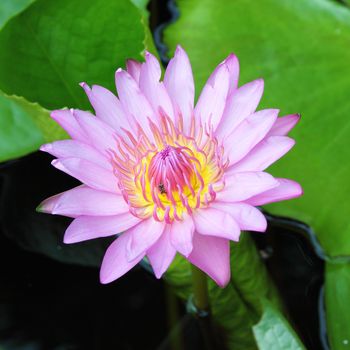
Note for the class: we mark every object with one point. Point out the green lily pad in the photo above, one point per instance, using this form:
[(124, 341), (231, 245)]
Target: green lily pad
[(301, 49), (10, 8), (24, 127), (337, 291), (45, 63), (53, 45), (274, 333)]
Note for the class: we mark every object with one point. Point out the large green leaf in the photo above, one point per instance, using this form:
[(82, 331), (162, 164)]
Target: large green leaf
[(53, 45), (337, 292), (274, 333), (24, 126), (45, 63), (10, 8), (301, 48), (237, 307)]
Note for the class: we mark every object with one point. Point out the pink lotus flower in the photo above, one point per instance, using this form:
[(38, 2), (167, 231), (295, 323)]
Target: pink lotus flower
[(173, 177)]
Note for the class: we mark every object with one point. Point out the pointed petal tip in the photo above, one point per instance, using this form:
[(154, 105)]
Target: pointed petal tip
[(85, 86), (70, 237), (263, 228), (300, 191), (231, 59), (296, 117), (47, 206), (121, 74), (259, 83), (223, 283), (104, 279), (185, 251), (158, 274), (297, 192), (57, 113), (53, 114), (150, 58), (69, 240), (231, 56), (272, 110), (184, 248), (57, 164), (179, 49), (40, 208), (297, 188), (47, 147)]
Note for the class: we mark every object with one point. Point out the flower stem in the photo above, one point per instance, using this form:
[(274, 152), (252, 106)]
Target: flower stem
[(200, 290), (201, 303)]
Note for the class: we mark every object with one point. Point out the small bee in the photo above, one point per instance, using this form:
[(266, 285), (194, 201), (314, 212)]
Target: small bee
[(161, 188)]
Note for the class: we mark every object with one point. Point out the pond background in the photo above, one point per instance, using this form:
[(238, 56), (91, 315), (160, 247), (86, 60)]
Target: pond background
[(50, 297)]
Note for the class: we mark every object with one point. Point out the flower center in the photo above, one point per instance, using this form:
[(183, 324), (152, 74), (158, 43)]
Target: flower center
[(170, 175), (171, 169)]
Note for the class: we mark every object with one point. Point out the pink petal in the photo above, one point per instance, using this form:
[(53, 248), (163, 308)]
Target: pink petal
[(89, 173), (287, 189), (249, 133), (212, 255), (215, 222), (263, 154), (212, 101), (65, 118), (154, 90), (241, 186), (89, 227), (181, 235), (101, 136), (84, 200), (233, 67), (143, 236), (133, 67), (107, 106), (284, 124), (76, 149), (178, 80), (162, 253), (240, 104), (247, 217), (134, 101), (115, 264)]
